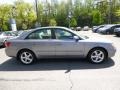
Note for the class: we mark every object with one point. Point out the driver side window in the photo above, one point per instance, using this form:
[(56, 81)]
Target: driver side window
[(62, 34)]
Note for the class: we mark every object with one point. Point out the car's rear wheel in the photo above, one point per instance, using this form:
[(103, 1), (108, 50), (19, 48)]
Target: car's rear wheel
[(26, 57), (97, 55)]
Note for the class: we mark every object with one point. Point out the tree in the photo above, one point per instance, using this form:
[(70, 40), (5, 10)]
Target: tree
[(62, 15), (5, 16), (97, 18), (73, 22), (24, 14), (52, 22), (117, 13), (87, 12)]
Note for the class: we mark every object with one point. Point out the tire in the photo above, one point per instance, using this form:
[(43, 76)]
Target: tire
[(118, 35), (26, 57), (97, 56)]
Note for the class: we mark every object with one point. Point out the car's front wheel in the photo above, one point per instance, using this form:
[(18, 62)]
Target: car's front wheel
[(97, 55), (26, 57)]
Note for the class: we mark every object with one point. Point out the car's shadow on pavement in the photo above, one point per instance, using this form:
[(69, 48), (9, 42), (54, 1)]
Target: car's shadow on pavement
[(54, 64)]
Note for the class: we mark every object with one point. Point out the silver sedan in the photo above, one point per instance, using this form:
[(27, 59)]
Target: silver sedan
[(60, 42)]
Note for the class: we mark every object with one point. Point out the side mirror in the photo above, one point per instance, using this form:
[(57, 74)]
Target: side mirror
[(76, 38)]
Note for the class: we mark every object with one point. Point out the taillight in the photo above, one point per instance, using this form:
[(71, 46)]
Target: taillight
[(7, 44)]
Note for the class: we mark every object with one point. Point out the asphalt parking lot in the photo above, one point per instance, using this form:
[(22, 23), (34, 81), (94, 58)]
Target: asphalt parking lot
[(59, 74)]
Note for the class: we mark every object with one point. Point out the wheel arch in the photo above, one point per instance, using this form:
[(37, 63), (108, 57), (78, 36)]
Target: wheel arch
[(23, 49), (98, 48)]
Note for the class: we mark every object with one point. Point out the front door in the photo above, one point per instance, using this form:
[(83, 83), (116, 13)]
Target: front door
[(66, 44)]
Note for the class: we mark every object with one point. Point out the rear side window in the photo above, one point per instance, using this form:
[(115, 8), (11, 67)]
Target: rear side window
[(40, 34)]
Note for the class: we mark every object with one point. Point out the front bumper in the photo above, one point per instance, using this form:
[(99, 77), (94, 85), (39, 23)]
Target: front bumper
[(111, 51)]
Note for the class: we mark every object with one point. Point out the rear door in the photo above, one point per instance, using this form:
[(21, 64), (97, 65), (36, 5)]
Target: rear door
[(42, 42)]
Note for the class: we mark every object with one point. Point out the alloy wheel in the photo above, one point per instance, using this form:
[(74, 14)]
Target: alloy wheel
[(26, 57), (97, 56)]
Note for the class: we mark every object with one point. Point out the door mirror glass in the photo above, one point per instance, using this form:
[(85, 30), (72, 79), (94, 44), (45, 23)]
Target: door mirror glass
[(76, 38)]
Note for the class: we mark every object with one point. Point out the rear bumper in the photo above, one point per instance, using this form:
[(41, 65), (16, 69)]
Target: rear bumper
[(11, 52)]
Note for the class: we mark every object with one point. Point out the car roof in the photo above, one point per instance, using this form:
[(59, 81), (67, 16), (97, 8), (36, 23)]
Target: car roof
[(50, 27), (27, 32)]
